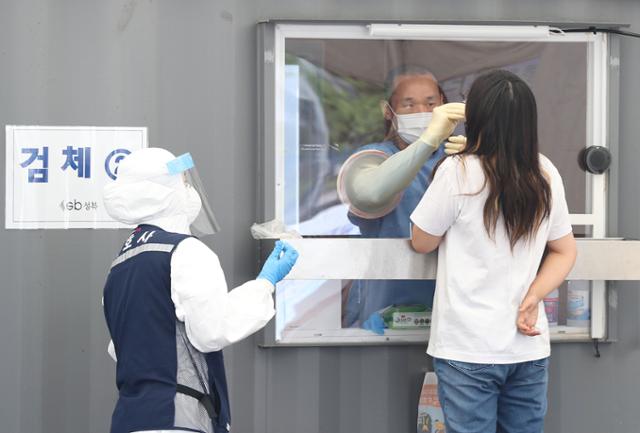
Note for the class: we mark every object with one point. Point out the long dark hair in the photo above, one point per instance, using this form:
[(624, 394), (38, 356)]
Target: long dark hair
[(502, 130)]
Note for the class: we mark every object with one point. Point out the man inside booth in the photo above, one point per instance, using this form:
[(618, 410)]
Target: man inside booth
[(383, 182)]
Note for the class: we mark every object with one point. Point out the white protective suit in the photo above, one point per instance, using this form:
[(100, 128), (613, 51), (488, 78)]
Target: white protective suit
[(214, 317)]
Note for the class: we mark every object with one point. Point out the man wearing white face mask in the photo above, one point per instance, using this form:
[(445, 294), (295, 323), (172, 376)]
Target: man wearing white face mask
[(166, 301), (383, 182)]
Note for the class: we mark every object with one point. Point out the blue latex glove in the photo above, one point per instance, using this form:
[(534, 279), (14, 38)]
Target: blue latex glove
[(374, 323), (279, 262)]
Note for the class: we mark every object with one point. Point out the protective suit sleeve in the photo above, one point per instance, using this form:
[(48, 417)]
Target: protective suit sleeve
[(111, 350), (376, 185), (215, 317)]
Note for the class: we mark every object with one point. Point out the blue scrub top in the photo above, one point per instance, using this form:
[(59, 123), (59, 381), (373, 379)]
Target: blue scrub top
[(369, 296)]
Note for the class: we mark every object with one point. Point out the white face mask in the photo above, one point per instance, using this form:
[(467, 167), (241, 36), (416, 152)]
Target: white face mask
[(411, 126), (193, 204)]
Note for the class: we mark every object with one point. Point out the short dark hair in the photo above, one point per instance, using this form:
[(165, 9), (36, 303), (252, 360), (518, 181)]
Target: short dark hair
[(390, 84), (401, 71)]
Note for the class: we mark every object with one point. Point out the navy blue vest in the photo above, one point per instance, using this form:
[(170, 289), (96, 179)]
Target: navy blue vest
[(147, 337)]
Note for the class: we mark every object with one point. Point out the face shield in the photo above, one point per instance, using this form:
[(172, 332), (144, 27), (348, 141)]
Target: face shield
[(203, 219)]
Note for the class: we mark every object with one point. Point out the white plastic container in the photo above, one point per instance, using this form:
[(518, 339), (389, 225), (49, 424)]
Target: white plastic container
[(552, 307), (578, 308)]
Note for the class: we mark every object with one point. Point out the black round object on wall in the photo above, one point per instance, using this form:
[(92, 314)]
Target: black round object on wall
[(595, 159)]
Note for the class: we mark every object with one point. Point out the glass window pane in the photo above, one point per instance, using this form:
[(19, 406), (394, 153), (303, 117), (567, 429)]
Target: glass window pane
[(334, 92), (308, 308)]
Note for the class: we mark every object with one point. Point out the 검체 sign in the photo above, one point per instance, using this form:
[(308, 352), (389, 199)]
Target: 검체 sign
[(55, 174)]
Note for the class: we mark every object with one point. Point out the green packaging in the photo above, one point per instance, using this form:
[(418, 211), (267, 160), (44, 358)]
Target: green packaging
[(406, 316)]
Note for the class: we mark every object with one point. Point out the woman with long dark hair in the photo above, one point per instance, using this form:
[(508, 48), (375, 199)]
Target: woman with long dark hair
[(493, 209)]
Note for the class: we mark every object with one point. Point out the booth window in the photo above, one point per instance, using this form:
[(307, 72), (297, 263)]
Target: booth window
[(325, 92)]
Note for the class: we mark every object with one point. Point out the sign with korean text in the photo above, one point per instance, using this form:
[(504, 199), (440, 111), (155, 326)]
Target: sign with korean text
[(55, 174)]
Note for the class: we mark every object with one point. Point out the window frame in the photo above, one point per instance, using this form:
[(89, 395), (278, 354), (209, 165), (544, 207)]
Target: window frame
[(597, 134)]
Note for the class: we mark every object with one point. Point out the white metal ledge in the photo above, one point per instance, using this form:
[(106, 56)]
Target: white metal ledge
[(394, 259)]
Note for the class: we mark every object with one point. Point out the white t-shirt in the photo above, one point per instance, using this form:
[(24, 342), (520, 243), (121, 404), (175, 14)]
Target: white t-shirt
[(480, 282)]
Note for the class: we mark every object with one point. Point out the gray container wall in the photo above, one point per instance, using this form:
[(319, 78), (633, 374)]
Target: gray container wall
[(186, 69)]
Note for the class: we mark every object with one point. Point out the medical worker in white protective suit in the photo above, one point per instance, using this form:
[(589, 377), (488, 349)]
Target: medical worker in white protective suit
[(166, 301)]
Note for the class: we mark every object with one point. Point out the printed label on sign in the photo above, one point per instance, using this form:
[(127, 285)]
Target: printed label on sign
[(55, 175), (430, 415)]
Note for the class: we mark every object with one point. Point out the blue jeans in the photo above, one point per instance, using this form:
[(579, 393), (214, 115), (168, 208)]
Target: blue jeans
[(486, 398)]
